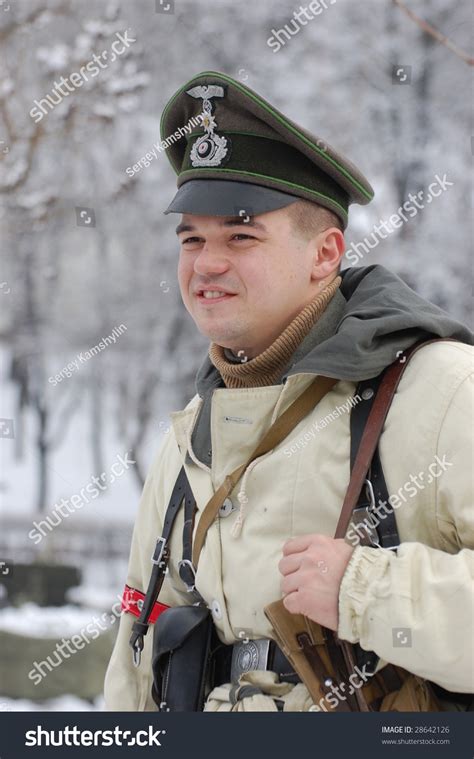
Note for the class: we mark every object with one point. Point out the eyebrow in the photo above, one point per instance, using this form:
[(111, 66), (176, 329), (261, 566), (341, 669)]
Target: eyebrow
[(235, 221)]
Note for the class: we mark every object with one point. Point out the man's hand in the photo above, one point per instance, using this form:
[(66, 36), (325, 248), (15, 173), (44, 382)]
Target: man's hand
[(312, 567)]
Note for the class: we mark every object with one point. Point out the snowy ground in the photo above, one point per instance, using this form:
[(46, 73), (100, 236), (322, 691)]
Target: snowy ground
[(46, 622), (62, 704), (33, 621)]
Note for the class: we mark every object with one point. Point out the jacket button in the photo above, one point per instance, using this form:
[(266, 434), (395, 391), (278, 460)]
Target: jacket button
[(216, 610), (226, 508)]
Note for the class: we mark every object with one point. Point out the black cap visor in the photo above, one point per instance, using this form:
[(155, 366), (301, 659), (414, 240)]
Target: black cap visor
[(215, 197)]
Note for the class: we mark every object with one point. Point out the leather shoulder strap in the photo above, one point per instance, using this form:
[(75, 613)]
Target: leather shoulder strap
[(368, 445), (372, 432), (277, 432), (160, 559), (364, 397)]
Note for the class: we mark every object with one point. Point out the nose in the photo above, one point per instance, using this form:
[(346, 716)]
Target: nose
[(210, 261)]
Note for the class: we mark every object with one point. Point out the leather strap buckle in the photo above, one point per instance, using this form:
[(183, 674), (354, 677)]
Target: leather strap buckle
[(157, 557), (365, 521), (363, 526), (187, 573)]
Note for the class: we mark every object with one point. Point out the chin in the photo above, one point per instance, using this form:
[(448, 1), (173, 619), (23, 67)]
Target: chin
[(215, 330), (219, 337)]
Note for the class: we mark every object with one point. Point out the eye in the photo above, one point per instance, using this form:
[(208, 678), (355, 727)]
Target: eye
[(243, 237), (190, 240)]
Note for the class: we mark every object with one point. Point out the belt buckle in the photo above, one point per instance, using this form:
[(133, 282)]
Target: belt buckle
[(248, 656)]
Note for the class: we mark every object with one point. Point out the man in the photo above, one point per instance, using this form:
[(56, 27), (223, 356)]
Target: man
[(264, 205)]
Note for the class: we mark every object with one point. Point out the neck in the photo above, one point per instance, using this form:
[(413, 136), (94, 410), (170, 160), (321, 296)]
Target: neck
[(268, 367)]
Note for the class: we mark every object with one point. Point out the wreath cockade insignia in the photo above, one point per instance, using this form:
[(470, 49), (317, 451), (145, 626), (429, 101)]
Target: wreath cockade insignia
[(210, 149)]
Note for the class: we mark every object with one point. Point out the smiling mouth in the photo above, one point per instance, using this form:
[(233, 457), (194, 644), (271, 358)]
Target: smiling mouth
[(213, 296)]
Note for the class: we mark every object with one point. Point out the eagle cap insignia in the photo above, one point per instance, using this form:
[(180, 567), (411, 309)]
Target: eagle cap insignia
[(210, 149)]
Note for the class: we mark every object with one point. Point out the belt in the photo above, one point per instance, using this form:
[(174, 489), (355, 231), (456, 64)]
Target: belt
[(230, 662)]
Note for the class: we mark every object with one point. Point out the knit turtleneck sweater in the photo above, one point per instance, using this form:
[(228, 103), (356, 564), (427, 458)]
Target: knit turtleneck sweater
[(268, 366)]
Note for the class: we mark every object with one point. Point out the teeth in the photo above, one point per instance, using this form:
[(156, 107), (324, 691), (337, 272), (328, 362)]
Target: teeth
[(212, 294)]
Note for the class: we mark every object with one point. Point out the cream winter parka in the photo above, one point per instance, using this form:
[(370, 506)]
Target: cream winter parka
[(425, 588)]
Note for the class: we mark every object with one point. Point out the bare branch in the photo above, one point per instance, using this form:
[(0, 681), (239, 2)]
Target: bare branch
[(435, 33)]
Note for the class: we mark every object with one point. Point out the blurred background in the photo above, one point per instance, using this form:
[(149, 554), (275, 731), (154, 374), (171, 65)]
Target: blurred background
[(95, 346)]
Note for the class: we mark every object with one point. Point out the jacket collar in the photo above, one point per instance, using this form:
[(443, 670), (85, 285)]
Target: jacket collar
[(270, 401)]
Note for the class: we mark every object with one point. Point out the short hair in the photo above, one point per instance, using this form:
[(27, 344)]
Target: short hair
[(308, 218)]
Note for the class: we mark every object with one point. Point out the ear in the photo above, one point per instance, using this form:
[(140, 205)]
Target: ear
[(329, 247)]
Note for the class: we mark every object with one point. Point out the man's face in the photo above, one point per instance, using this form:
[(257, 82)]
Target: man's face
[(242, 282)]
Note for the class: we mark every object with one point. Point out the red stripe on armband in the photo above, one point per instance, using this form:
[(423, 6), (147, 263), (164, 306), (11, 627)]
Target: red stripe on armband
[(132, 602)]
